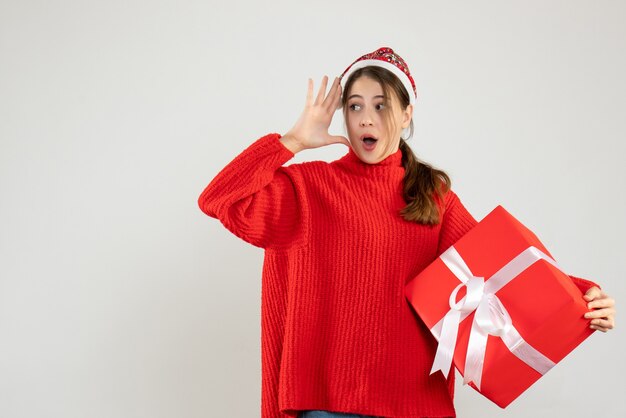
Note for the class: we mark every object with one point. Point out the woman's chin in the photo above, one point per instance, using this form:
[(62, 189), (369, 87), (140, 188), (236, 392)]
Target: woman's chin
[(369, 157)]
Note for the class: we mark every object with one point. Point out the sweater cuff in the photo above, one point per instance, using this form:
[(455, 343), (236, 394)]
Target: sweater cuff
[(582, 284), (270, 145)]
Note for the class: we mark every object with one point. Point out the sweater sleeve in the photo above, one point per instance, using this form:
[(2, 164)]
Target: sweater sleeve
[(456, 222), (583, 284), (256, 198)]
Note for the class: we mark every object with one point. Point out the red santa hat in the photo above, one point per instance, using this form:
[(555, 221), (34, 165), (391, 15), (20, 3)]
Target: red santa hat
[(386, 58)]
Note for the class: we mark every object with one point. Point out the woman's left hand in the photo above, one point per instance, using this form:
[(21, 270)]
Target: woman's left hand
[(603, 314)]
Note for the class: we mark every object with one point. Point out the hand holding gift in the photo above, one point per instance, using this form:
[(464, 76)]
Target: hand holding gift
[(502, 309), (603, 315)]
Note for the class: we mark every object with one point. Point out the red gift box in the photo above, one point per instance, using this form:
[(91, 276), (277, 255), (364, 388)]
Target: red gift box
[(500, 307)]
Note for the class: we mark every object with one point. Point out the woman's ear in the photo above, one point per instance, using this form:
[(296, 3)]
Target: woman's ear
[(407, 116)]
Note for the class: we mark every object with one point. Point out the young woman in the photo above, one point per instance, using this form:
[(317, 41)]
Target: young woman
[(341, 240)]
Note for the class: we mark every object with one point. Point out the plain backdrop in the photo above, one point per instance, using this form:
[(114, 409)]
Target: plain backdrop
[(119, 298)]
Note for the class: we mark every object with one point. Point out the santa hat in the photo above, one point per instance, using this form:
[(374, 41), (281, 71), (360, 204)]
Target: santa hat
[(384, 57)]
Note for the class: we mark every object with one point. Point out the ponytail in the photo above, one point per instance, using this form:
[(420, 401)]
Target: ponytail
[(424, 186)]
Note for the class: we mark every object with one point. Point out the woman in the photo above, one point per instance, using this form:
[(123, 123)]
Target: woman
[(341, 240)]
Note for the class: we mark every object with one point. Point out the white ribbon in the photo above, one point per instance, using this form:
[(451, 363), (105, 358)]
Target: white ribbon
[(491, 317)]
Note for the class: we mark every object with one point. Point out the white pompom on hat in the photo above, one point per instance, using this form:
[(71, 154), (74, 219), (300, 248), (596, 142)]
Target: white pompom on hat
[(386, 58)]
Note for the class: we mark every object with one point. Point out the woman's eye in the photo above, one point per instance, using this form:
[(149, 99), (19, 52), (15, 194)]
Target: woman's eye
[(355, 106)]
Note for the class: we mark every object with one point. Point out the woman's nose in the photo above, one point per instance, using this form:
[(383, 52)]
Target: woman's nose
[(366, 122)]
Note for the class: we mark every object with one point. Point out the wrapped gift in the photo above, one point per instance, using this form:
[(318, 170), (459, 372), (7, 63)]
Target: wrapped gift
[(500, 308)]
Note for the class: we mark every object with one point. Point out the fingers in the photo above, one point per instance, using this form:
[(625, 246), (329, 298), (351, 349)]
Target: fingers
[(329, 102), (322, 91), (593, 293), (333, 94), (317, 116), (603, 314), (600, 313), (309, 93), (605, 302), (598, 328), (602, 324)]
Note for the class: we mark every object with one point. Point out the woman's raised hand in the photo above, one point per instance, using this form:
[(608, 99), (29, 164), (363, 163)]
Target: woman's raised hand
[(311, 130)]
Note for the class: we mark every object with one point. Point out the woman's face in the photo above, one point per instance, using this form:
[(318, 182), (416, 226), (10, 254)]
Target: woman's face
[(369, 136)]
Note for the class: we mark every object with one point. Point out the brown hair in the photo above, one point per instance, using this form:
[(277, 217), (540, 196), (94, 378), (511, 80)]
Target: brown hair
[(424, 185)]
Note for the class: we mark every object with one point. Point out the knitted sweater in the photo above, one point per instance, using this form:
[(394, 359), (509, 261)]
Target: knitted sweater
[(337, 333)]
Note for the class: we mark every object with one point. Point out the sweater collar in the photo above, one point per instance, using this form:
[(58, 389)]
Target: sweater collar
[(351, 159), (390, 168)]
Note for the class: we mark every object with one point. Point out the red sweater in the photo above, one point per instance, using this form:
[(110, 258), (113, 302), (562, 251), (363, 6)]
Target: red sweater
[(337, 333)]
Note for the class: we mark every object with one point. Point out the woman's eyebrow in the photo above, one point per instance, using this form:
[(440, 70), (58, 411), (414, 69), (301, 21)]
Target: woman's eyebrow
[(358, 95)]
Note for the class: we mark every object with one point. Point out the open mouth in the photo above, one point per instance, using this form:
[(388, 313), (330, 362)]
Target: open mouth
[(369, 142)]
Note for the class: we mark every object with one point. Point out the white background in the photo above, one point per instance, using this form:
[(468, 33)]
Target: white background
[(119, 298)]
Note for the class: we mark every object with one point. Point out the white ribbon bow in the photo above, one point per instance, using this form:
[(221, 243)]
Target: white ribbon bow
[(491, 317)]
